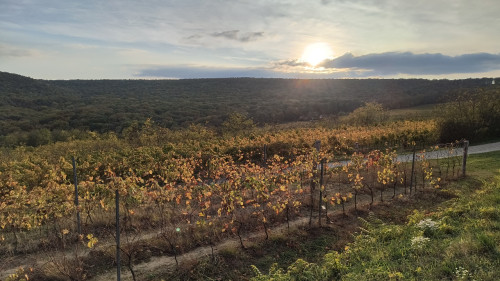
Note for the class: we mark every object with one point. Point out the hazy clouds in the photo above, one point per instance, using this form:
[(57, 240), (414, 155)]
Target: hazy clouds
[(186, 72), (417, 37), (235, 35), (347, 65), (409, 63)]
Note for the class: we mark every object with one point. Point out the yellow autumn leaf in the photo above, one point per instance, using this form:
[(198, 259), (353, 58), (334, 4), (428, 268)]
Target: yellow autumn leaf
[(92, 240)]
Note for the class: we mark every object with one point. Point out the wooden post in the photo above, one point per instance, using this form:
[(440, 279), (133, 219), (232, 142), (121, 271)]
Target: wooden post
[(464, 160), (412, 170), (78, 225), (117, 201), (317, 145), (265, 154), (322, 172)]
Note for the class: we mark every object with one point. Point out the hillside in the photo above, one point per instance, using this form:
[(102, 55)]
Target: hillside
[(26, 104), (29, 105)]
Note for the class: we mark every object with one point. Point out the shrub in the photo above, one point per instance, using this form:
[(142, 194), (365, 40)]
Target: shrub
[(473, 115), (370, 114)]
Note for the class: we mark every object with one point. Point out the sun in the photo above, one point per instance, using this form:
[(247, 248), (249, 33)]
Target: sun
[(317, 52)]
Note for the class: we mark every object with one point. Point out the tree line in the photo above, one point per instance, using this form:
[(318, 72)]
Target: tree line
[(35, 112)]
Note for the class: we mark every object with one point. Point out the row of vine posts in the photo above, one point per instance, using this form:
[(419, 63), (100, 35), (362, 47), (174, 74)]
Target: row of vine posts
[(318, 169), (215, 197)]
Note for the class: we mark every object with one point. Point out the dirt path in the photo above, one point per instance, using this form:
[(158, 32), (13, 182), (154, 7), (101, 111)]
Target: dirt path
[(163, 264)]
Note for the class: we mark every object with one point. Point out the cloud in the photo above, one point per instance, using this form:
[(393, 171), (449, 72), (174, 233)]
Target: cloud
[(346, 66), (10, 51), (197, 72), (194, 37), (233, 35), (188, 72), (230, 34), (251, 36), (292, 63), (416, 64)]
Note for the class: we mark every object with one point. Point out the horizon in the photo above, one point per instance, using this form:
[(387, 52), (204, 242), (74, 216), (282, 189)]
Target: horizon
[(282, 78), (322, 39), (277, 78)]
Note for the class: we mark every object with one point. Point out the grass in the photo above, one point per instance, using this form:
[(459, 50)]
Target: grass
[(484, 166), (421, 112)]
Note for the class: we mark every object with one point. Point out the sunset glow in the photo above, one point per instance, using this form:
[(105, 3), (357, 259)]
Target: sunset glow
[(193, 39), (315, 53)]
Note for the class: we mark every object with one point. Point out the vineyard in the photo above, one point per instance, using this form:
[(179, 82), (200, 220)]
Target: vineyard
[(175, 191)]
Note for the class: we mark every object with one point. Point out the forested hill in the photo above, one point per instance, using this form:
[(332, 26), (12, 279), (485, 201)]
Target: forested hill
[(110, 105)]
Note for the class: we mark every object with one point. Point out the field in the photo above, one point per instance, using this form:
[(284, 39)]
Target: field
[(182, 192), (201, 203), (249, 140), (423, 112)]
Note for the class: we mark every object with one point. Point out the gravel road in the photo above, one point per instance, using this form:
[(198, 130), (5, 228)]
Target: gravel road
[(482, 148)]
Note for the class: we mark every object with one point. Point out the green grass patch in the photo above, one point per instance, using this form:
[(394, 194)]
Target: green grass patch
[(485, 165), (422, 112)]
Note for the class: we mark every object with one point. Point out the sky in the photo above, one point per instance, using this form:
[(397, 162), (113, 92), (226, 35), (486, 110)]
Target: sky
[(171, 39)]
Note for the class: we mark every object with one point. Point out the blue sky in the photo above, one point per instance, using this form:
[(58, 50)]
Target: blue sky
[(132, 39)]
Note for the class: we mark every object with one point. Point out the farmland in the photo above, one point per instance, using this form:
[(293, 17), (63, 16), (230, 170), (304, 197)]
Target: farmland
[(149, 196), (207, 187)]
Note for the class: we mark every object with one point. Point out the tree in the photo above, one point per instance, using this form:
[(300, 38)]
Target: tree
[(39, 137), (236, 123), (370, 114), (472, 115)]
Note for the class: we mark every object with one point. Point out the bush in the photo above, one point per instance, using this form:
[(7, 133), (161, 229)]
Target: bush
[(370, 114), (473, 115)]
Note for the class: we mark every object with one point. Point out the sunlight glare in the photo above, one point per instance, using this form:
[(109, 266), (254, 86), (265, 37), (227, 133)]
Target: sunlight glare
[(317, 52)]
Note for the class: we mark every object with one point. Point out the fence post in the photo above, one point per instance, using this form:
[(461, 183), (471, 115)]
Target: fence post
[(412, 170), (78, 225), (317, 145), (464, 160), (265, 154), (322, 171), (117, 202)]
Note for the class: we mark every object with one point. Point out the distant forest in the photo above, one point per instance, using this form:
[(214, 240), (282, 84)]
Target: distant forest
[(29, 105)]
